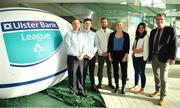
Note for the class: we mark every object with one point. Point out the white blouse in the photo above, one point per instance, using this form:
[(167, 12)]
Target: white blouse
[(145, 52)]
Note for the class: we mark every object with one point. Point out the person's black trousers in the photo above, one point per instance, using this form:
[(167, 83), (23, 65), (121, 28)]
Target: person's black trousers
[(117, 59), (91, 65)]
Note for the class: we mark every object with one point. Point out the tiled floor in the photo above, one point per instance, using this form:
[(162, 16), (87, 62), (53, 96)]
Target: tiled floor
[(132, 100)]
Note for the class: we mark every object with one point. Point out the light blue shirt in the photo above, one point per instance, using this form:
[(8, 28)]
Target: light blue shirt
[(74, 43), (90, 40)]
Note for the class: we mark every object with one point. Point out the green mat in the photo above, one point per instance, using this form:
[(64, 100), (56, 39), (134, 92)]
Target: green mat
[(56, 96)]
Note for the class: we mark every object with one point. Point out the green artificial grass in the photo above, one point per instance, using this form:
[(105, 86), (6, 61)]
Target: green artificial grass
[(57, 96)]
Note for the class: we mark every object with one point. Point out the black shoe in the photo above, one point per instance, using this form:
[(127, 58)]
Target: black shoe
[(116, 90), (99, 86), (111, 86), (82, 93), (123, 90), (94, 89)]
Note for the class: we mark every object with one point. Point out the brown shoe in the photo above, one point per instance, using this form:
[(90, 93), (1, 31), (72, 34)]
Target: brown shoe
[(133, 89), (141, 91), (156, 93), (162, 102)]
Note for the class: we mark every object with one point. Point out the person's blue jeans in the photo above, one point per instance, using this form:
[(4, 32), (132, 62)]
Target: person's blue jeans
[(139, 67)]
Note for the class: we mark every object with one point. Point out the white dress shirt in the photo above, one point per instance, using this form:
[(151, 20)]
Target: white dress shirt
[(102, 39)]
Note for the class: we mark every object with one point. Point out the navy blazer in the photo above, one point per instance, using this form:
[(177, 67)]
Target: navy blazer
[(167, 44), (126, 43)]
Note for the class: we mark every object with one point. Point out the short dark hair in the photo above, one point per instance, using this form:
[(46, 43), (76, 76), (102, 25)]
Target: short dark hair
[(74, 18), (161, 14), (87, 19), (103, 18)]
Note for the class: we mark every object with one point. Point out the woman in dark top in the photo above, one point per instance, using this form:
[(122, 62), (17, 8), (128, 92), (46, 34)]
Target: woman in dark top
[(118, 48)]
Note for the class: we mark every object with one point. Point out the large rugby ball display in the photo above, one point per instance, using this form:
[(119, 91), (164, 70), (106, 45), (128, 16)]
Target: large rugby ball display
[(32, 56)]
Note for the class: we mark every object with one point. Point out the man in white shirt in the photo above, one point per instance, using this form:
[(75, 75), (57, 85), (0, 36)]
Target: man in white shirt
[(89, 58), (102, 42), (75, 48)]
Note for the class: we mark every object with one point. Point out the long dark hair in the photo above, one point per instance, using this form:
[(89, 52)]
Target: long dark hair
[(144, 33)]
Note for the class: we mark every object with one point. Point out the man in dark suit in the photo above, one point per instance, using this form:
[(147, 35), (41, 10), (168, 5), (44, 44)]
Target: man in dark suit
[(162, 54)]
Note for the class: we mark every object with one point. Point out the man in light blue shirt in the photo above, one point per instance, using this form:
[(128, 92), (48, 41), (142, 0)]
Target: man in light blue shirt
[(75, 48), (89, 58)]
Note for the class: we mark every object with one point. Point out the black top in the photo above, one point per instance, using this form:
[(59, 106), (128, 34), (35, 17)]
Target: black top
[(126, 43), (167, 44)]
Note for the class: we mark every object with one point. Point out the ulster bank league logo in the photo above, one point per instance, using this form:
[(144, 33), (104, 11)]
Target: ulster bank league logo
[(30, 42)]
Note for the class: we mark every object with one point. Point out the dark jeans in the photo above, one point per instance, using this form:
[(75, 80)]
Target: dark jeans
[(117, 58), (75, 74), (139, 67), (91, 65), (101, 60)]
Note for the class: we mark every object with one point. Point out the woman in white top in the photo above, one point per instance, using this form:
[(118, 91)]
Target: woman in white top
[(140, 55)]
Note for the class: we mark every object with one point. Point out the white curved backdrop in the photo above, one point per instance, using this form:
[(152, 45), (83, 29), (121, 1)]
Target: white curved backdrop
[(32, 55)]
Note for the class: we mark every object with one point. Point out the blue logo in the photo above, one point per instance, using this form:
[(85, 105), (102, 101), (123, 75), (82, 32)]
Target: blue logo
[(27, 25), (28, 48)]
